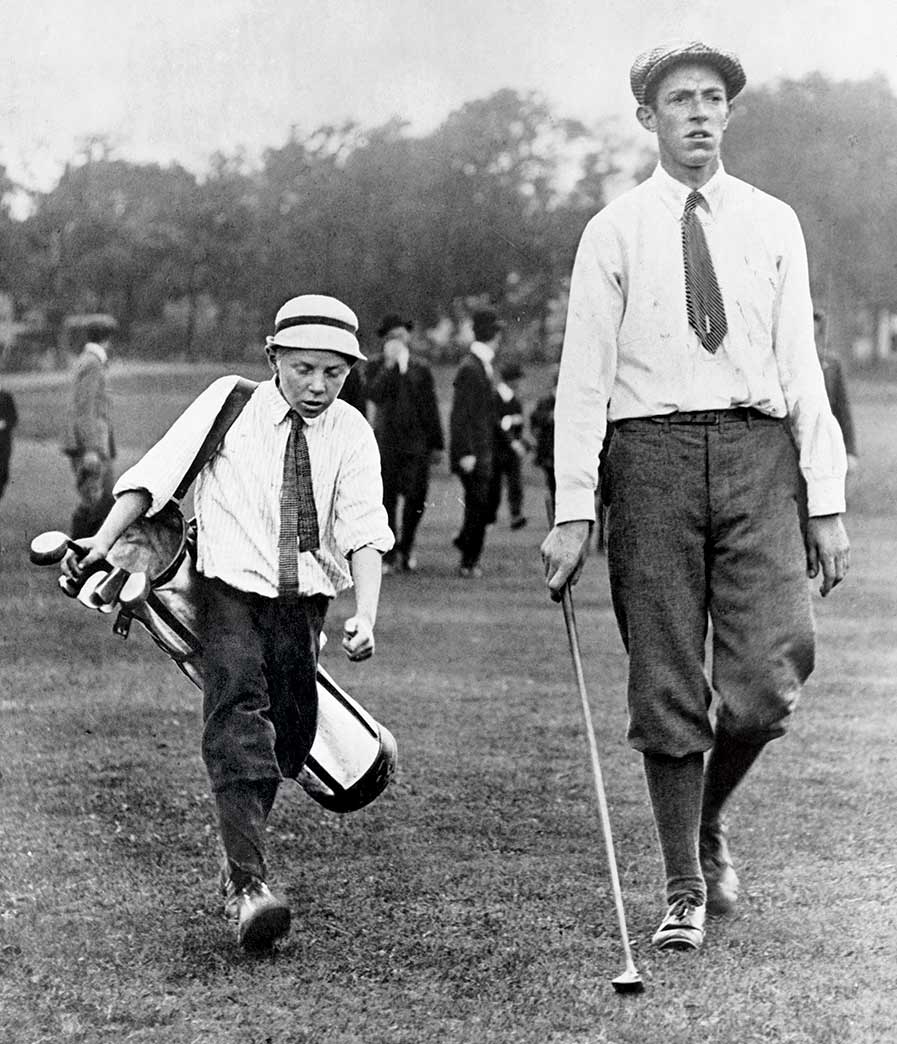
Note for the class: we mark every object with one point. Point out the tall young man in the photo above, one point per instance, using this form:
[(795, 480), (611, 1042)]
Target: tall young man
[(690, 328)]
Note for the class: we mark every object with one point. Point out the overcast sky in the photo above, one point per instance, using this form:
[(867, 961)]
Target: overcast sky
[(179, 79)]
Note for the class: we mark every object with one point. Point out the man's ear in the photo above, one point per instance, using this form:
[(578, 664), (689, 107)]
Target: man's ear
[(728, 114), (271, 353), (646, 117)]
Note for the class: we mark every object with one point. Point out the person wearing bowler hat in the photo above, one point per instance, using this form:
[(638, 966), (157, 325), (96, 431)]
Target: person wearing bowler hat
[(90, 445), (690, 329), (289, 513), (409, 433), (472, 423)]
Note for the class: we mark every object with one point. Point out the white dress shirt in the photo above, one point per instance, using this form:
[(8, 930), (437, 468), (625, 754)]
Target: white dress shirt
[(237, 493), (486, 354), (629, 350)]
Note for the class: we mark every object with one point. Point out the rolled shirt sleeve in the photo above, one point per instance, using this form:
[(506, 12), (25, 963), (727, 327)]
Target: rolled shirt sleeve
[(359, 515)]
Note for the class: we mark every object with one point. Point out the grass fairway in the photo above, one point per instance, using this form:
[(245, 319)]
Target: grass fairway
[(469, 904)]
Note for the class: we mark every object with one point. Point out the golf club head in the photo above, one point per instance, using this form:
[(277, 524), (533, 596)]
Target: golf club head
[(51, 547), (108, 590), (69, 586), (134, 591), (629, 982), (87, 594)]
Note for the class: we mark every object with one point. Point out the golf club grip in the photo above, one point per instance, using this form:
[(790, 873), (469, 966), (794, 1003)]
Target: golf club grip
[(573, 638)]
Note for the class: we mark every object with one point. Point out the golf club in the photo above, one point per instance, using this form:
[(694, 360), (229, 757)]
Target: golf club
[(50, 547), (87, 594), (68, 586), (629, 981), (134, 591), (106, 592)]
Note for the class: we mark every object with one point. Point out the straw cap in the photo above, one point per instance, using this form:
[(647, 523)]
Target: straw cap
[(651, 65), (318, 322)]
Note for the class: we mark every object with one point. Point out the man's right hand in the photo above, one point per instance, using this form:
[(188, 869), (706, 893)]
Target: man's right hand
[(467, 463), (564, 554)]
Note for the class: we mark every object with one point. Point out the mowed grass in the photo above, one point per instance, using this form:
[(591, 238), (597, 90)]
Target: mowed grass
[(471, 902)]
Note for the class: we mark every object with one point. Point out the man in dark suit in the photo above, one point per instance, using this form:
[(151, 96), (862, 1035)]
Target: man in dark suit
[(354, 390), (472, 434), (409, 433)]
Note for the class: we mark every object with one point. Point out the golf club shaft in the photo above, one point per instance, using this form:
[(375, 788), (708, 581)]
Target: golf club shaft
[(572, 636)]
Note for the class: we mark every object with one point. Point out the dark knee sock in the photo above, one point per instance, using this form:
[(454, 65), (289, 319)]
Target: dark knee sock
[(728, 764), (243, 809), (674, 785)]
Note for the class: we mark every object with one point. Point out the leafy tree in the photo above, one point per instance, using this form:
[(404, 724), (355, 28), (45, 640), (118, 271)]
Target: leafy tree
[(828, 149)]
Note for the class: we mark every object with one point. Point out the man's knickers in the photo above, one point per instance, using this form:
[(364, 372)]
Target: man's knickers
[(704, 522)]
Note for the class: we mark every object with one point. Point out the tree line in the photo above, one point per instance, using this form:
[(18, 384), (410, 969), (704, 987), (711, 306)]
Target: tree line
[(489, 206)]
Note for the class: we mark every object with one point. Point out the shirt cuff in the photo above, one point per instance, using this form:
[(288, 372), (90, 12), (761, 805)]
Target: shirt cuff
[(825, 497), (381, 543), (574, 506)]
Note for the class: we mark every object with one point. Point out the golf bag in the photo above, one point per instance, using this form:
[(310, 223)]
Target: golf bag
[(353, 756)]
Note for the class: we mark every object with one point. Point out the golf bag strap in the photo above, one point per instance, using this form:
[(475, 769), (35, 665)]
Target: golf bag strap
[(230, 410)]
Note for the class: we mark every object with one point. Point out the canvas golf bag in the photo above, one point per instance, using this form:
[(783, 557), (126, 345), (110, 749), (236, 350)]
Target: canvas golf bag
[(353, 756)]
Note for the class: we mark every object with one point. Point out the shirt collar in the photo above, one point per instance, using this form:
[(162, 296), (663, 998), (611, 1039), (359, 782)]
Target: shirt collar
[(277, 406), (98, 351), (674, 194), (484, 353)]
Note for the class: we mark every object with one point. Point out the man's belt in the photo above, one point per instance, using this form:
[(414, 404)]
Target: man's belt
[(744, 414)]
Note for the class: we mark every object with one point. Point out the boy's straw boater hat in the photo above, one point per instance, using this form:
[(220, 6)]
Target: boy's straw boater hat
[(317, 322)]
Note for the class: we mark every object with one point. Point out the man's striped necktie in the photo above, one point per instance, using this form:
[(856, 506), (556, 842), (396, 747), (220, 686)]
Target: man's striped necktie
[(703, 300), (298, 514)]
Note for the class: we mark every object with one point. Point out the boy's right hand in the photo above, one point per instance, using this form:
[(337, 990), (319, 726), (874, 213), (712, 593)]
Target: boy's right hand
[(76, 565)]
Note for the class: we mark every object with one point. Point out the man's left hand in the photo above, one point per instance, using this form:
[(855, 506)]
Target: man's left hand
[(828, 549), (358, 638)]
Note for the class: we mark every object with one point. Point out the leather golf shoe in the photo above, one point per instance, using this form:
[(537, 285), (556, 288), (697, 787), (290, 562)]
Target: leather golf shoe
[(261, 918), (719, 873), (683, 926)]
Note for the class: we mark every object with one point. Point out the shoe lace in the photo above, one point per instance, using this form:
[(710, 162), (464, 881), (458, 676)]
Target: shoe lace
[(682, 907), (254, 887)]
